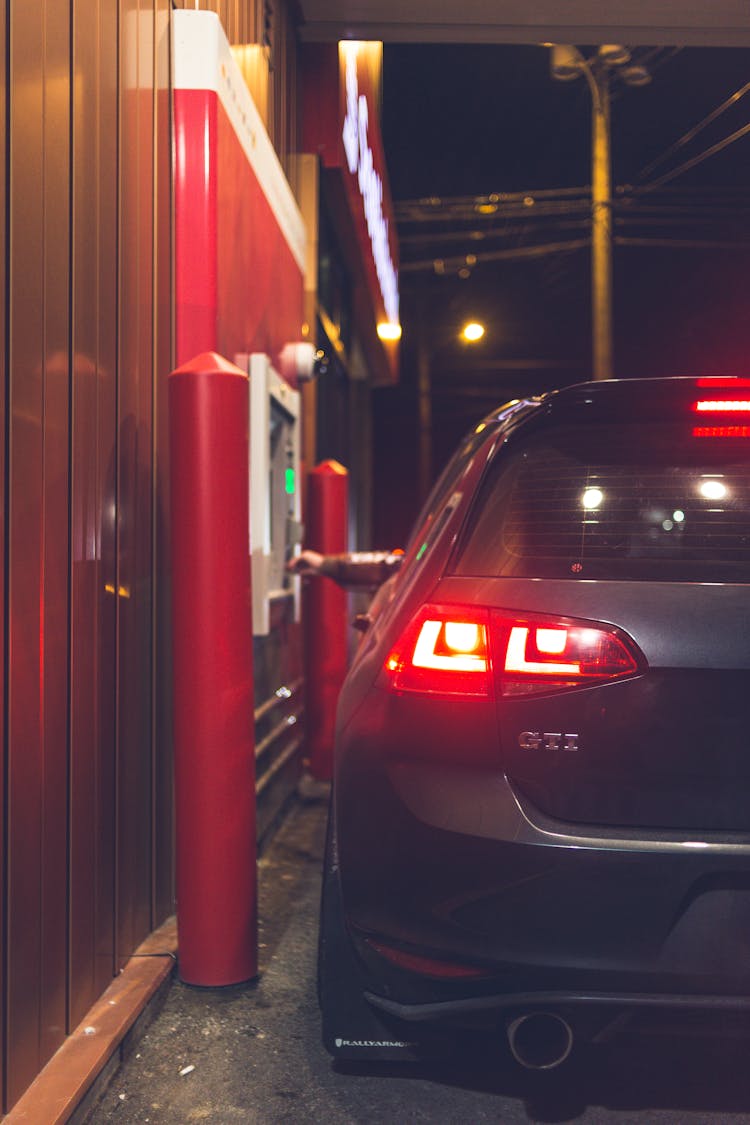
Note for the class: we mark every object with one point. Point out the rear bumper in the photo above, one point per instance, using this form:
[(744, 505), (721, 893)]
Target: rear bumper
[(569, 1002), (453, 863), (592, 1018)]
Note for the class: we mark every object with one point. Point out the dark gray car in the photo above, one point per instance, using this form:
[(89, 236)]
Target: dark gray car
[(541, 814)]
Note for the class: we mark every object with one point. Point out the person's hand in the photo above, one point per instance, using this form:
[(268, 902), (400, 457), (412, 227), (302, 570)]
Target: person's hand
[(306, 563)]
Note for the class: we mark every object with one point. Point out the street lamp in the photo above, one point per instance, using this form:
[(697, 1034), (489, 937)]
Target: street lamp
[(472, 331), (388, 330), (567, 63)]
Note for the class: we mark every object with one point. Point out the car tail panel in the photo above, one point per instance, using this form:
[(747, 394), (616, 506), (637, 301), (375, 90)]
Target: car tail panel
[(666, 744)]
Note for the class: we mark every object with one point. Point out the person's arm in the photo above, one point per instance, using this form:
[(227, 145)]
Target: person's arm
[(359, 569)]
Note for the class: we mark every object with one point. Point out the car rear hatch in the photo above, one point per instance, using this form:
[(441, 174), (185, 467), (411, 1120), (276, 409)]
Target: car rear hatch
[(613, 552)]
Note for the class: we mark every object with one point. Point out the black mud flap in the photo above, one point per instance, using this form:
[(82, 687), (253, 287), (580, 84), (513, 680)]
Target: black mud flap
[(352, 1028)]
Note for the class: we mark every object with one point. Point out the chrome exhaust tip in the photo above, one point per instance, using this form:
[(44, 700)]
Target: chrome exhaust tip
[(540, 1040)]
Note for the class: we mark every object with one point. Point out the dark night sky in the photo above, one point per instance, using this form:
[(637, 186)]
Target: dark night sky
[(471, 120), (468, 119)]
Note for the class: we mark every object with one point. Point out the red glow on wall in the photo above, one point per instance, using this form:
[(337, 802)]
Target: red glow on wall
[(238, 281)]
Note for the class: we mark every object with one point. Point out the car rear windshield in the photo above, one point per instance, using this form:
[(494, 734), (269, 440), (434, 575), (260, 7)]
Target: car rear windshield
[(615, 501)]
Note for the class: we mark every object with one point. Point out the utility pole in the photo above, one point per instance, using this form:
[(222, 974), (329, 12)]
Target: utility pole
[(429, 347), (424, 393), (568, 63), (601, 224)]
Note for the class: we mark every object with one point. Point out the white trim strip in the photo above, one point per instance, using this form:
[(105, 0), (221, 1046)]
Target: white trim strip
[(202, 60)]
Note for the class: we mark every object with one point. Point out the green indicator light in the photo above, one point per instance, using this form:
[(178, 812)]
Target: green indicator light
[(421, 551), (289, 481)]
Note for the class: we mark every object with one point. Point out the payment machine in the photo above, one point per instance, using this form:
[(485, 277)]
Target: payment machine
[(275, 510)]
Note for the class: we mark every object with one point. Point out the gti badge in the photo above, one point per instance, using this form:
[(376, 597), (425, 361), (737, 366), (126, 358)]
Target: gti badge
[(547, 740)]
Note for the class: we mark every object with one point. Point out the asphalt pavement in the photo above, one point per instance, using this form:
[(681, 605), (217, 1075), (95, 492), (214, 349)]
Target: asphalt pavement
[(253, 1053)]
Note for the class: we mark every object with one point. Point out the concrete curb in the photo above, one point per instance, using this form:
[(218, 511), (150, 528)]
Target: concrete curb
[(92, 1052)]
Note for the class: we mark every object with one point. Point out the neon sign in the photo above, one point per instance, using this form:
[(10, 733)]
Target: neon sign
[(359, 159)]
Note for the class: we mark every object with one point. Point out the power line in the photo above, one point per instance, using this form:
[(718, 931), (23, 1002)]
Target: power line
[(472, 237), (736, 136), (720, 191), (453, 212), (681, 243), (525, 230), (446, 265), (654, 58), (453, 264), (647, 209), (687, 137), (493, 206)]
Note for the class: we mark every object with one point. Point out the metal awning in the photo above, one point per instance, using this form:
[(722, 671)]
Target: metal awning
[(707, 23)]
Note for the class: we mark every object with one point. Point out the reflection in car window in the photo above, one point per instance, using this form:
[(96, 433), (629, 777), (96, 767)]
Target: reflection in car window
[(435, 528), (447, 481), (614, 501)]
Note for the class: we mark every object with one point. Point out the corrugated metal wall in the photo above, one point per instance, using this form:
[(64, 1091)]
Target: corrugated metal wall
[(86, 349), (86, 346)]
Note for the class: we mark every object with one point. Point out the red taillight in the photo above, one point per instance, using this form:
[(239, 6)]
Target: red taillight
[(453, 650), (544, 657), (715, 382), (722, 406), (724, 410), (721, 431), (444, 650)]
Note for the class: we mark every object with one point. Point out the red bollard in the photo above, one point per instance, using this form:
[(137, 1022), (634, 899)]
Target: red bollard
[(325, 613), (213, 674)]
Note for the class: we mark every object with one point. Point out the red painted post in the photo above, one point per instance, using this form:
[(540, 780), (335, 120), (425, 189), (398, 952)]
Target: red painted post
[(212, 672), (325, 613)]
